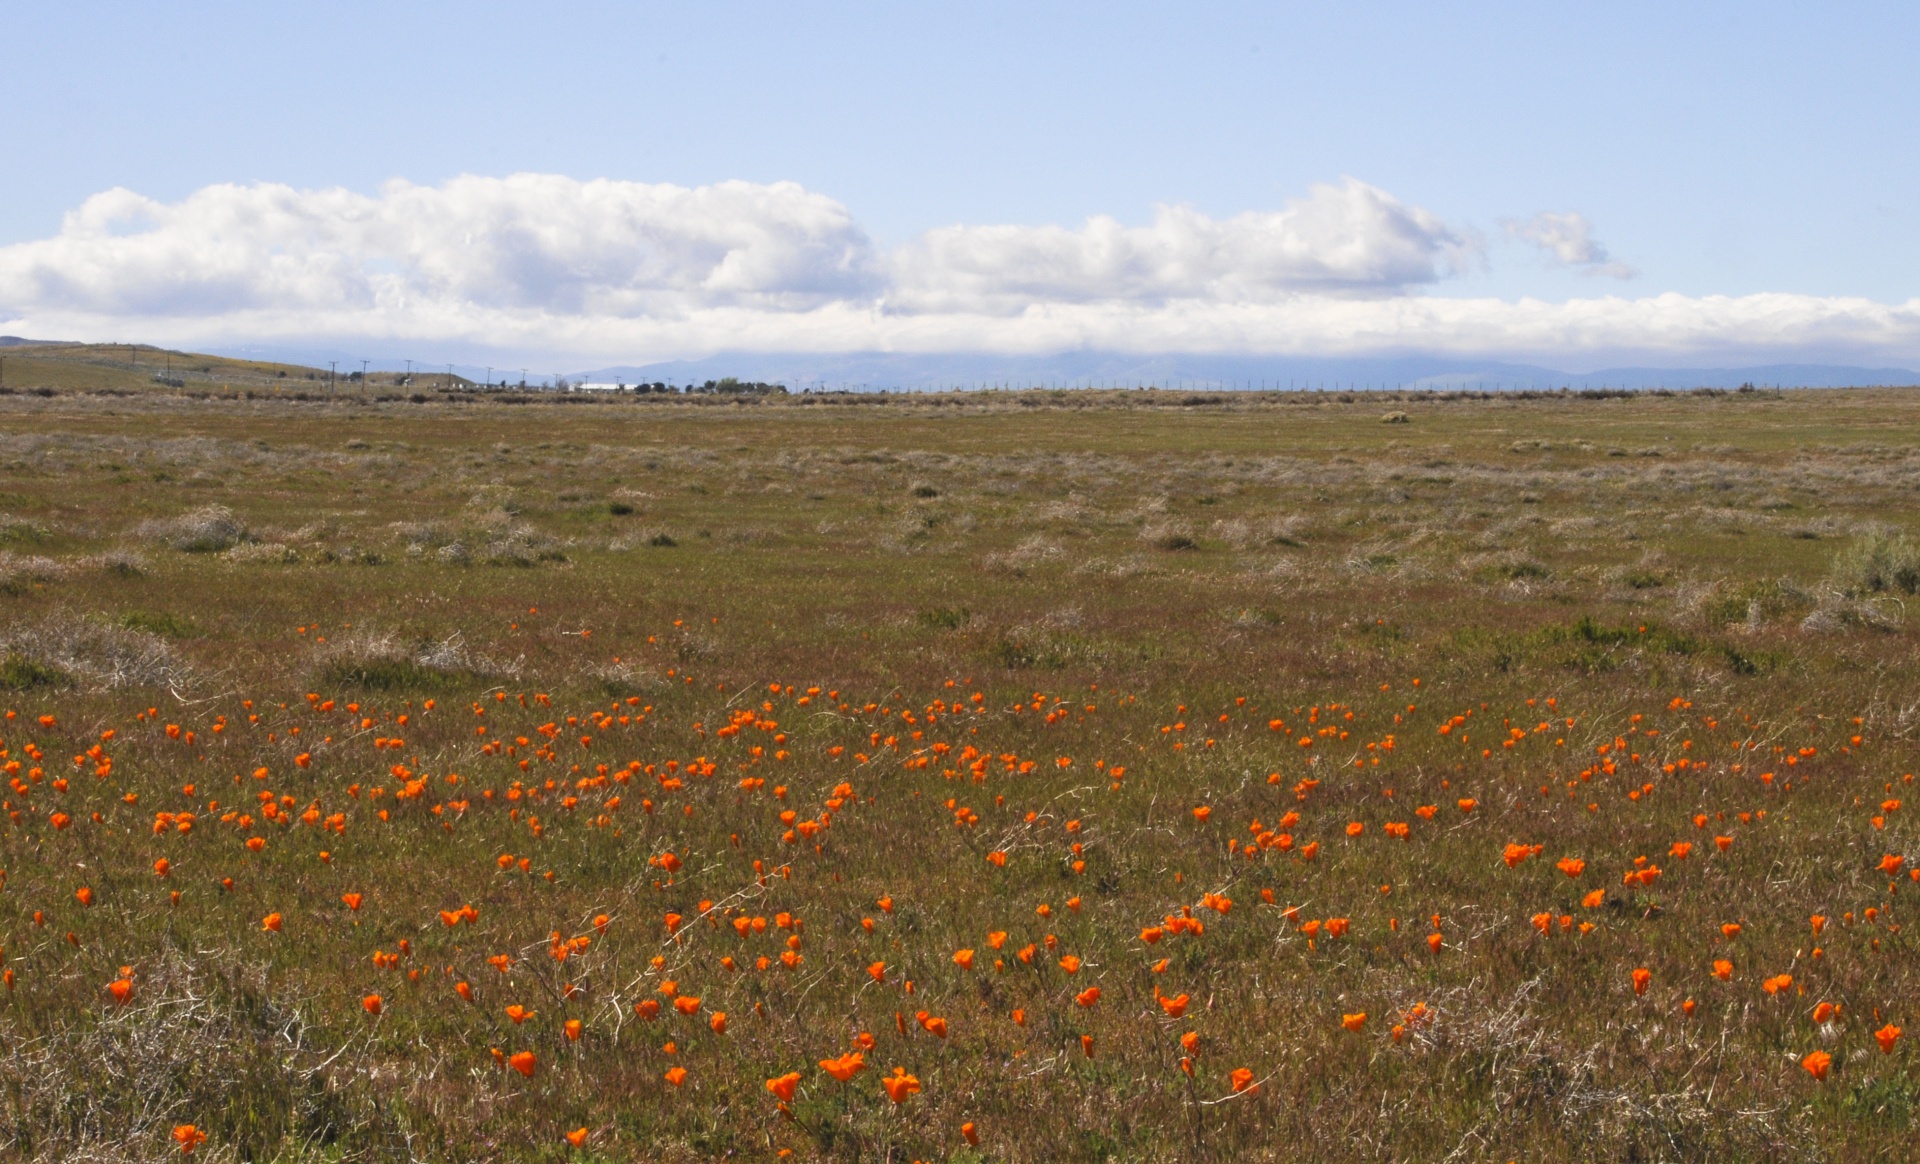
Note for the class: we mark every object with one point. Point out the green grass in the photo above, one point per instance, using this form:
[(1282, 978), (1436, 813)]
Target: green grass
[(894, 618)]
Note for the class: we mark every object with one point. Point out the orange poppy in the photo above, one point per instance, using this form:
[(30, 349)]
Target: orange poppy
[(783, 1086), (900, 1085)]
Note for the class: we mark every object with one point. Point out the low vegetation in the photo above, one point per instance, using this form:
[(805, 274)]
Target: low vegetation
[(1024, 777)]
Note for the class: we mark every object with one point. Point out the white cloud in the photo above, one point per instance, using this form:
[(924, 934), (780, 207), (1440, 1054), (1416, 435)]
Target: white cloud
[(547, 267), (1345, 239), (1569, 242)]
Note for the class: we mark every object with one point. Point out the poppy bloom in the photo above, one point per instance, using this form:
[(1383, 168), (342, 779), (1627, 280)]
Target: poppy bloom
[(84, 894), (1354, 1022), (1433, 942), (524, 1062), (687, 1004), (271, 922), (463, 990), (1641, 977), (846, 1066), (718, 1022), (162, 867), (121, 989), (784, 1086), (877, 971), (675, 1075), (1202, 813), (1571, 866), (970, 1134), (519, 1014), (1190, 1042), (371, 1004), (1824, 1011), (1088, 997), (572, 1029), (1070, 964), (1817, 1064), (900, 1085), (1176, 1006), (1723, 969), (188, 1137), (1242, 1078), (1086, 1045), (1887, 1036), (352, 900), (963, 959), (577, 1137)]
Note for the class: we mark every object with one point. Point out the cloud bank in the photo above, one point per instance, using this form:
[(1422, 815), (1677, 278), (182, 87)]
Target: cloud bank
[(538, 264)]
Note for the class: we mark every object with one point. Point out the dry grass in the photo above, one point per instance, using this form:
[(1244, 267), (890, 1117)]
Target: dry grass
[(1141, 581)]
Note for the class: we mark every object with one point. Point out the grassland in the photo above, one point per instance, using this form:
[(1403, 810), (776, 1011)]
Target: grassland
[(909, 672)]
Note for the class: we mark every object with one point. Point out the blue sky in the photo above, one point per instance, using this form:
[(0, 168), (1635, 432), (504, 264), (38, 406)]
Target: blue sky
[(1707, 149)]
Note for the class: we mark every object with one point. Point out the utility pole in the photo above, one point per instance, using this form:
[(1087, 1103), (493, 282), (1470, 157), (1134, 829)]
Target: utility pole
[(449, 377), (409, 371), (523, 379), (363, 373), (333, 372), (489, 377)]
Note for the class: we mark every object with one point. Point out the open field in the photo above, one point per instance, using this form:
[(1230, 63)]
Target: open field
[(1213, 726)]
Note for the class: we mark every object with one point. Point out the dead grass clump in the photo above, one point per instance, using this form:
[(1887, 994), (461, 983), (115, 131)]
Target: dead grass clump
[(20, 572), (1878, 563), (212, 1049), (95, 655), (1171, 536), (384, 662), (207, 530)]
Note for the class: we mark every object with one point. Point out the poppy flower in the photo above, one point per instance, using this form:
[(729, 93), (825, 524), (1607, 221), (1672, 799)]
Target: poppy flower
[(1086, 1045), (846, 1066), (970, 1134), (963, 959), (1202, 813), (718, 1023), (371, 1004), (271, 922), (783, 1086), (1723, 969), (1817, 1064), (577, 1137), (1571, 866), (1242, 1078), (687, 1004), (1824, 1012), (1088, 997), (524, 1062), (519, 1014), (84, 894), (1886, 1036), (1641, 977), (900, 1085), (1354, 1022), (1176, 1006), (1070, 964), (353, 900), (188, 1137), (572, 1029), (162, 867), (877, 971), (675, 1075), (121, 989)]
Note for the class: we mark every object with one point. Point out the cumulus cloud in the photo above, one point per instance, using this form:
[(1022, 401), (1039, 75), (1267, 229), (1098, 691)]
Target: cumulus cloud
[(1568, 241), (1347, 239), (547, 266)]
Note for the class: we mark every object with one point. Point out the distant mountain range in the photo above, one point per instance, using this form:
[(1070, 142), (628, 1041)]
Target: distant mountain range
[(873, 371)]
